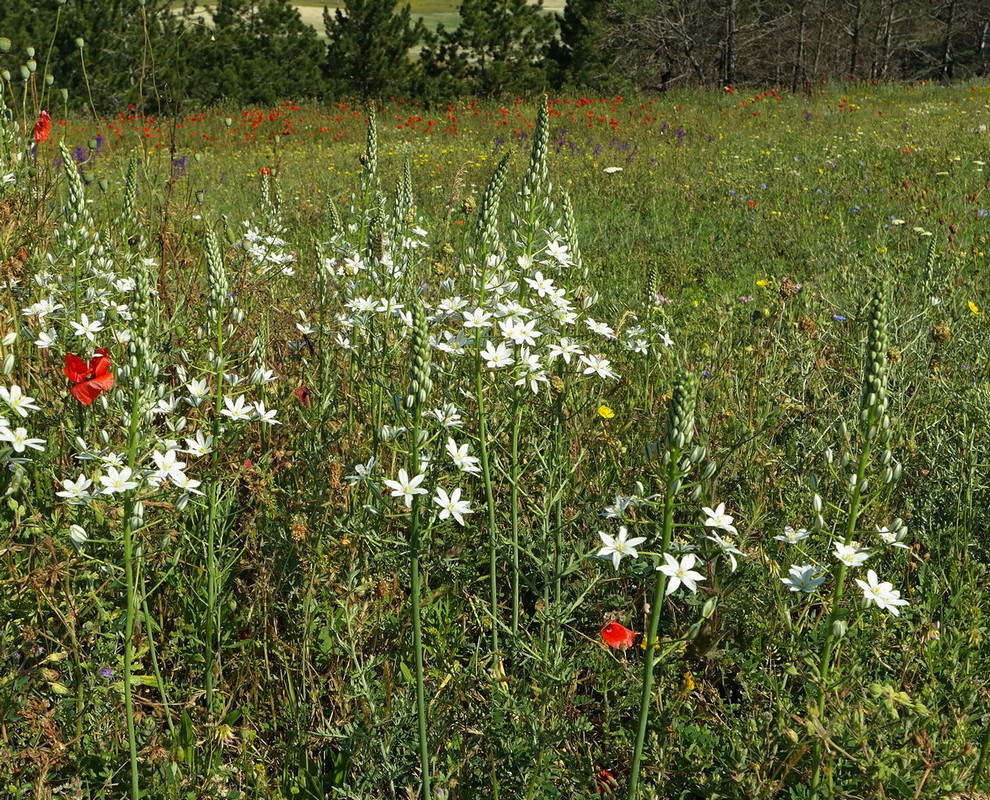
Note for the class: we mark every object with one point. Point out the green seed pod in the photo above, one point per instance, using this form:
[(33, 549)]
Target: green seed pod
[(80, 42), (4, 44), (680, 413), (486, 227), (49, 79), (32, 65), (30, 52), (420, 383)]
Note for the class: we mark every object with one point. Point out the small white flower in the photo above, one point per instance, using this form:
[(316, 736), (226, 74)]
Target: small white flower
[(792, 536), (850, 554), (117, 481), (45, 340), (497, 357), (362, 472), (804, 578), (728, 548), (564, 349), (883, 594), (452, 505), (19, 440), (717, 518), (187, 484), (200, 446), (680, 572), (199, 390), (618, 547), (76, 492), (237, 409), (463, 461), (612, 170), (406, 487), (87, 328), (266, 415), (479, 318), (169, 468), (889, 537), (599, 366), (17, 400)]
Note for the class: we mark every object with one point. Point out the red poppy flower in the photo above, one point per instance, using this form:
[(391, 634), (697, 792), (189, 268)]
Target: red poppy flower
[(616, 635), (91, 379), (303, 395), (42, 127)]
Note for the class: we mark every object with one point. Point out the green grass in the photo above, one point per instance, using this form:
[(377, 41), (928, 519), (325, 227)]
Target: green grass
[(272, 617)]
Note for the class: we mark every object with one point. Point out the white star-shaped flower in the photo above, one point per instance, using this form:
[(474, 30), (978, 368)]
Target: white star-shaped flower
[(618, 547)]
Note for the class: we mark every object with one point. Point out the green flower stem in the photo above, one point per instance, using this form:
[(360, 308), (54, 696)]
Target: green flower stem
[(153, 650), (130, 579), (656, 608), (212, 521), (486, 478), (417, 615), (514, 506), (828, 648)]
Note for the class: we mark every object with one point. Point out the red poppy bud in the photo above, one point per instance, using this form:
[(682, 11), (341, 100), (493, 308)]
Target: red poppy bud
[(605, 781)]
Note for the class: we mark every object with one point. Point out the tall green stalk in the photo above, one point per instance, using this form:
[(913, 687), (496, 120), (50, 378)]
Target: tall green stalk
[(514, 475), (217, 280), (874, 426), (487, 233), (140, 368), (131, 523), (419, 388), (679, 432)]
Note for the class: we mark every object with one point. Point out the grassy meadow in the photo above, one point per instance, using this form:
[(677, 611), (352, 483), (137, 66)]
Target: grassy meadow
[(630, 447)]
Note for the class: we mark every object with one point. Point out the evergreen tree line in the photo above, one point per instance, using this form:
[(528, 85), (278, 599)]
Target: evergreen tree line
[(159, 55)]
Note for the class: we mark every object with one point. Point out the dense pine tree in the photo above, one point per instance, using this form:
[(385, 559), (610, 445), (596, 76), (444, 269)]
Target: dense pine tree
[(368, 48), (579, 56), (500, 47), (254, 52)]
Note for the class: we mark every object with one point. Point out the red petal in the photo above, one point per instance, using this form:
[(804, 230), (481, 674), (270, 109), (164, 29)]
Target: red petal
[(76, 370), (88, 391), (100, 363), (616, 635)]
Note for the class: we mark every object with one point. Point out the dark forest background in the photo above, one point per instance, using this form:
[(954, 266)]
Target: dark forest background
[(160, 56)]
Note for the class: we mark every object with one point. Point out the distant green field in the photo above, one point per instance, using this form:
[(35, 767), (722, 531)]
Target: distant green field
[(419, 7), (433, 12)]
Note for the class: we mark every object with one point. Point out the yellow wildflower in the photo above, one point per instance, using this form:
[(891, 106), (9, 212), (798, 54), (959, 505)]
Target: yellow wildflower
[(605, 412)]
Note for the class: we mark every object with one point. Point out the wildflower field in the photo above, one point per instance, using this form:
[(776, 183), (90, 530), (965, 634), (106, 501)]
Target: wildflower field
[(630, 447)]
